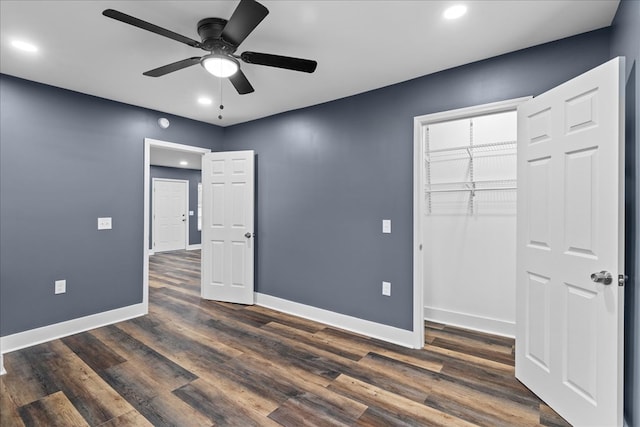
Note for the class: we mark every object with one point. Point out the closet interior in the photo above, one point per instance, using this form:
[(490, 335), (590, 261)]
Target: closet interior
[(469, 221)]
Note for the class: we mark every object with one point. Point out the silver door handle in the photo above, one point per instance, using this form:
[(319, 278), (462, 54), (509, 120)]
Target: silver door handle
[(603, 277), (248, 235)]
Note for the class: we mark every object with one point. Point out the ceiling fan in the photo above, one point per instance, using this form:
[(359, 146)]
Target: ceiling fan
[(221, 39)]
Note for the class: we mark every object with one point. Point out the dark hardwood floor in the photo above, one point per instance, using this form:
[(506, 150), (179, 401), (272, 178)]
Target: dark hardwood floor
[(199, 363)]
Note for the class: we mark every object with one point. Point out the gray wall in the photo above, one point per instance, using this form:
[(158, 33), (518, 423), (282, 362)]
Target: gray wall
[(194, 177), (65, 160), (625, 40), (329, 174)]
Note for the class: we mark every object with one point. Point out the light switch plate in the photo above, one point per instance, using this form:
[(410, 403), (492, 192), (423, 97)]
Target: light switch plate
[(190, 213), (104, 223), (386, 288), (60, 287), (386, 226)]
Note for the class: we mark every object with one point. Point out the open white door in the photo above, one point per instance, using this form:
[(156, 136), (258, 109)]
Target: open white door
[(569, 327), (227, 226)]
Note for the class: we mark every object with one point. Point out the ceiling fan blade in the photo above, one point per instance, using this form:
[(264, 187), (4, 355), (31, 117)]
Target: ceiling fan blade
[(170, 68), (295, 64), (127, 19), (243, 21), (240, 82)]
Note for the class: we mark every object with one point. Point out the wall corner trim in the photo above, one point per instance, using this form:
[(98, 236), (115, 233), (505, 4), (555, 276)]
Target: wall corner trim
[(60, 330), (360, 326)]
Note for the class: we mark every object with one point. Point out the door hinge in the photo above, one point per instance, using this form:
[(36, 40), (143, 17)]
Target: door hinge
[(622, 278)]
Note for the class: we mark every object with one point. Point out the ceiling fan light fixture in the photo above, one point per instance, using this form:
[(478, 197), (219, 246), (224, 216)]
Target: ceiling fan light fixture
[(220, 65)]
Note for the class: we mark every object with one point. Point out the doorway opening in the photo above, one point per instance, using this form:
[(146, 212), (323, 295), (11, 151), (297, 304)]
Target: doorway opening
[(162, 153), (464, 199)]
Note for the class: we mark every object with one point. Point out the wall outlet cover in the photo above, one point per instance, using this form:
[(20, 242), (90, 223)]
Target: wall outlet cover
[(386, 226), (104, 223)]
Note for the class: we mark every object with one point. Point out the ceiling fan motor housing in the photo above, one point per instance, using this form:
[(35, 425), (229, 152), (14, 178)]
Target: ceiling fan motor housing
[(210, 31)]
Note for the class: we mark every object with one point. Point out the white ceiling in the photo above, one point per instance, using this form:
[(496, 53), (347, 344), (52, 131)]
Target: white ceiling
[(359, 46), (160, 156)]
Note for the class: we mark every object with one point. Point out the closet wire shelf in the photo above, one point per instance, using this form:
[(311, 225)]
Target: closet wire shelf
[(468, 151), (472, 186)]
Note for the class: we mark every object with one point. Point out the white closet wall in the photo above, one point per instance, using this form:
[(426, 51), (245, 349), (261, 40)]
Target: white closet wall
[(470, 222)]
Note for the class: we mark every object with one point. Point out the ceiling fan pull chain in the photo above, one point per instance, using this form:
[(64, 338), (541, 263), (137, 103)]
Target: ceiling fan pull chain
[(221, 105)]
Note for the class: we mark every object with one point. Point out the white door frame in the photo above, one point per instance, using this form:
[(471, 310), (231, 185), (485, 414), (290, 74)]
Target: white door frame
[(418, 196), (148, 143), (186, 209)]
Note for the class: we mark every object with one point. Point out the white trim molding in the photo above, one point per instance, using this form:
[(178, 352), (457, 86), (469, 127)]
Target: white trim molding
[(194, 247), (360, 326), (63, 329), (471, 321), (2, 370)]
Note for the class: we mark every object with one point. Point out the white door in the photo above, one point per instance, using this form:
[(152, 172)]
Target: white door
[(569, 328), (227, 226), (170, 205)]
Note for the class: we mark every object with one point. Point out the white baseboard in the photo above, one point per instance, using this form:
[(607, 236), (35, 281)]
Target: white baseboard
[(360, 326), (59, 330), (2, 370), (188, 248), (471, 321)]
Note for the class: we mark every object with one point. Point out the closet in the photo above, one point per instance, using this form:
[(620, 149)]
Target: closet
[(469, 221)]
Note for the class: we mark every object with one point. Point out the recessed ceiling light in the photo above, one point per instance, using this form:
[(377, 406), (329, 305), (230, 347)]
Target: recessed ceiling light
[(183, 163), (455, 12), (24, 46), (204, 100)]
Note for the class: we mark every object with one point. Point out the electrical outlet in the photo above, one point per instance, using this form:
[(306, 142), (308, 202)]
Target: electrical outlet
[(60, 287), (104, 223), (386, 288), (386, 226)]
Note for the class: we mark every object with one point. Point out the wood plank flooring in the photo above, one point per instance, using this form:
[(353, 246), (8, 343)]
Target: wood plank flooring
[(192, 362)]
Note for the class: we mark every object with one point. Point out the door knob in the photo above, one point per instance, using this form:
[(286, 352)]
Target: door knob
[(603, 277), (247, 235)]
